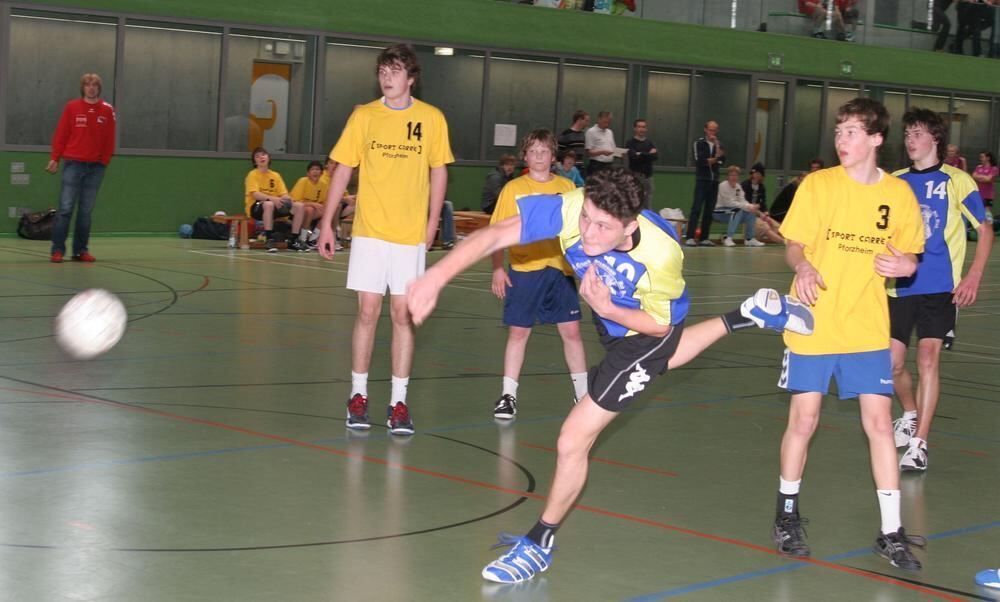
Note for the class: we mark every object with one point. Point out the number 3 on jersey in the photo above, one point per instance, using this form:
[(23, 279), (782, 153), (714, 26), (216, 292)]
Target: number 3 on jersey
[(413, 131)]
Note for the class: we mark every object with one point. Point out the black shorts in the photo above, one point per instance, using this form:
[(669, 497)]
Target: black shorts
[(631, 364), (284, 209), (933, 316)]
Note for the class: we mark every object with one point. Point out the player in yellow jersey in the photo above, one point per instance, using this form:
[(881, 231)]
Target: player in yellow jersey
[(400, 146), (266, 196), (309, 193), (849, 228), (539, 287), (629, 263)]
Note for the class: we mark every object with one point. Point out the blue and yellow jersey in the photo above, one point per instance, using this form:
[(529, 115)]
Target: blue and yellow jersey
[(543, 253), (945, 194), (843, 224), (647, 276)]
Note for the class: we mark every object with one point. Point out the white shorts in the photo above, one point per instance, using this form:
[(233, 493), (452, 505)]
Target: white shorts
[(376, 264)]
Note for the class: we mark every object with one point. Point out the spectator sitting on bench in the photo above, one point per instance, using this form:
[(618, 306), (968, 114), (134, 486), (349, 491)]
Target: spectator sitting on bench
[(347, 203), (566, 167), (266, 195), (496, 180), (308, 194), (732, 208), (756, 194)]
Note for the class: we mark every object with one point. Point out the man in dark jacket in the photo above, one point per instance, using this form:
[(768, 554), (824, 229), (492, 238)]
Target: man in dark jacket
[(495, 181), (708, 156)]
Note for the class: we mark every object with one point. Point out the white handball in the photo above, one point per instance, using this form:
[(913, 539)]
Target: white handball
[(90, 323)]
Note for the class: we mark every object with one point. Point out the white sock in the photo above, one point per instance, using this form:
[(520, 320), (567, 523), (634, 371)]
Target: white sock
[(788, 487), (910, 415), (399, 389), (359, 384), (509, 386), (888, 505), (579, 384)]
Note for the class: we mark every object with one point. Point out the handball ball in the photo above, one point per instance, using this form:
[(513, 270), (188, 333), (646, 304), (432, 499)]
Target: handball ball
[(91, 323), (185, 231)]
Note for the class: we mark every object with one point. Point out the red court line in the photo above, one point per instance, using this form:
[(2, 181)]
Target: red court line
[(665, 473), (493, 487)]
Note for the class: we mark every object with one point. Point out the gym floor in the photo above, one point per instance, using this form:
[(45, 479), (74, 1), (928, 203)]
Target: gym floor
[(205, 457)]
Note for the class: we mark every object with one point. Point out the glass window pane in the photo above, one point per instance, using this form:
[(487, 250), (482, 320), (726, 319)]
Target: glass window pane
[(892, 154), (769, 124), (970, 124), (454, 84), (43, 75), (269, 92), (836, 95), (807, 123), (350, 80), (522, 92), (595, 87), (171, 96), (722, 98), (667, 95)]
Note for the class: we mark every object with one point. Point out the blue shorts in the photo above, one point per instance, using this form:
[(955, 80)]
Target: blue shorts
[(546, 296), (868, 372)]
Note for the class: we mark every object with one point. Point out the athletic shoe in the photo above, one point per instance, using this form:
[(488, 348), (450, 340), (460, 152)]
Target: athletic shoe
[(522, 562), (895, 547), (728, 242), (790, 536), (903, 429), (691, 242), (85, 257), (338, 246), (448, 245), (989, 578), (398, 419), (752, 242), (915, 457), (357, 412), (769, 309), (314, 235), (56, 257), (269, 246), (706, 243), (298, 245), (506, 407), (311, 245)]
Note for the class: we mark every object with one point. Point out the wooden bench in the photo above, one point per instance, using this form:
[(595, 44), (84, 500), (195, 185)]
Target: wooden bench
[(467, 222), (239, 223)]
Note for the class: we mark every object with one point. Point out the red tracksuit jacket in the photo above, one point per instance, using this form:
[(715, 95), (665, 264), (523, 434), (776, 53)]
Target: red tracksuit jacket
[(86, 132)]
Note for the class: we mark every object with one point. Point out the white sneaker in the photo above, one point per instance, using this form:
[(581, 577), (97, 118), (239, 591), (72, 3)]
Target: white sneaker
[(767, 308), (752, 242), (727, 242), (706, 243), (691, 242), (915, 457), (903, 430)]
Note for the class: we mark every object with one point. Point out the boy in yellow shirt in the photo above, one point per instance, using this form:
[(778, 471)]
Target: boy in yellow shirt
[(266, 196), (539, 287), (309, 195), (849, 228)]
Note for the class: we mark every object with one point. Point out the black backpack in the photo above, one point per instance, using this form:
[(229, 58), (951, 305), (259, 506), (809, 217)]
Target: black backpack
[(205, 228), (37, 226)]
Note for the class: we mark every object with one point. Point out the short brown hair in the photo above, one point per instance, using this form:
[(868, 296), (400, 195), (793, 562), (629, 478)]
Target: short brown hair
[(579, 114), (869, 112), (616, 191), (935, 124), (254, 152), (87, 78), (402, 54), (507, 159), (542, 135)]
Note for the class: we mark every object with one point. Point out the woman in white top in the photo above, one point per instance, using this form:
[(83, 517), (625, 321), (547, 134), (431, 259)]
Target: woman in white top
[(732, 208)]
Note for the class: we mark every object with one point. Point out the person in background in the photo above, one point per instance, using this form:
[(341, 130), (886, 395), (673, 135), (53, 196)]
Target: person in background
[(984, 175), (953, 158), (708, 157), (85, 140), (496, 180), (641, 155), (266, 195), (566, 167)]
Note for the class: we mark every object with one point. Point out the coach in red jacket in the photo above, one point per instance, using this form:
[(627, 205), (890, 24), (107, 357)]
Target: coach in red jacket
[(85, 140)]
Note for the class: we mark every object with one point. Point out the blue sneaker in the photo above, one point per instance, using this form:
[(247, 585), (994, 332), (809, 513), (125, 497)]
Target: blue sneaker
[(524, 561), (989, 578), (357, 412), (769, 309)]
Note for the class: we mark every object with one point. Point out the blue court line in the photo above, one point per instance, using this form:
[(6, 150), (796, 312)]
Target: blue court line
[(793, 566)]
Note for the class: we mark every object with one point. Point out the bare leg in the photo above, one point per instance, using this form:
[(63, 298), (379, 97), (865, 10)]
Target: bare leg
[(402, 337), (579, 432), (576, 357), (876, 418), (902, 380), (928, 392), (298, 214), (696, 339), (803, 417), (268, 208), (513, 354), (363, 338)]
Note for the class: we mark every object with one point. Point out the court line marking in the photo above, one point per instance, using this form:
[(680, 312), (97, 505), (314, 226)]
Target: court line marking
[(457, 479), (600, 460)]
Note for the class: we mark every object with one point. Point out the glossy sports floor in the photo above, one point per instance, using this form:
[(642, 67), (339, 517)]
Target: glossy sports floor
[(205, 457)]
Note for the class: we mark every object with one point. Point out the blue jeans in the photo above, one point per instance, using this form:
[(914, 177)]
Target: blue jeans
[(448, 222), (733, 219), (80, 183)]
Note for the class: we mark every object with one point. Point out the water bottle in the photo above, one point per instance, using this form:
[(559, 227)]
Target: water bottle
[(232, 234)]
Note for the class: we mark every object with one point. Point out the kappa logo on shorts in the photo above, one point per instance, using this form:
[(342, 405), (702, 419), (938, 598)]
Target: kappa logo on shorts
[(783, 378), (636, 382)]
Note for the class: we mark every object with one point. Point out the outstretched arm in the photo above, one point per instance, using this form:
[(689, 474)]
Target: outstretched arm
[(422, 293)]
